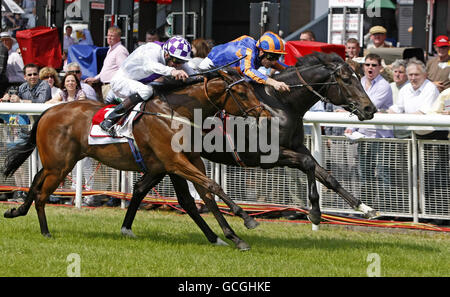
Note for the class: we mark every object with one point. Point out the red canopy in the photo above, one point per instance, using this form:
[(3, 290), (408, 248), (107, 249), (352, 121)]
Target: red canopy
[(297, 49), (40, 46)]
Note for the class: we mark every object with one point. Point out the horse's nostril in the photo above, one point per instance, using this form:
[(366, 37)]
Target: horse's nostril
[(370, 109)]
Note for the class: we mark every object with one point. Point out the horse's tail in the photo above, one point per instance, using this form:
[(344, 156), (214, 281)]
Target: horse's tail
[(20, 152)]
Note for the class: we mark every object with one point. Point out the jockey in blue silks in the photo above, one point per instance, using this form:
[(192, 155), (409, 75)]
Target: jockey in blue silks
[(264, 52)]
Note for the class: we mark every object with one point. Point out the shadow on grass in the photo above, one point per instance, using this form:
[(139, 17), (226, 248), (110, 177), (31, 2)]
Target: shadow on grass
[(158, 234), (306, 242), (154, 236), (259, 241)]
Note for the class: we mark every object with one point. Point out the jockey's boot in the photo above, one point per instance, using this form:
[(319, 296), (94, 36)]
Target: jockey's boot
[(119, 111)]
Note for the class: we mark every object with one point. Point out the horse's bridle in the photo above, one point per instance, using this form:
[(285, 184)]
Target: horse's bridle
[(229, 92), (327, 84)]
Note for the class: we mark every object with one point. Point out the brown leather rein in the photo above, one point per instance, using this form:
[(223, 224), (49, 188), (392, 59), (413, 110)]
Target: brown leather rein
[(228, 89)]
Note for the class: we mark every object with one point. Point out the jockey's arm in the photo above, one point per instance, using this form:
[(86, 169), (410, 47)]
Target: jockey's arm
[(247, 67), (278, 85)]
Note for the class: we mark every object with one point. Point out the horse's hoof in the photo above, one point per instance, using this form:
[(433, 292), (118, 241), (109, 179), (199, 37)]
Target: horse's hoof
[(243, 246), (251, 223), (47, 235), (368, 212), (315, 217), (10, 213), (372, 214), (220, 242), (127, 232)]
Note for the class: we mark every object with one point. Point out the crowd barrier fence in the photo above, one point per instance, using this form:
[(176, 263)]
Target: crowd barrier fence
[(398, 177)]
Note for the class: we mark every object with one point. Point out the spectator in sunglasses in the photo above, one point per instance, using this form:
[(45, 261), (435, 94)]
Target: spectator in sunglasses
[(33, 90), (50, 75), (265, 52)]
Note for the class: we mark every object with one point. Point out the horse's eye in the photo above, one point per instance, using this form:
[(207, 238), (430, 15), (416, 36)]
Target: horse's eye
[(243, 95), (346, 79)]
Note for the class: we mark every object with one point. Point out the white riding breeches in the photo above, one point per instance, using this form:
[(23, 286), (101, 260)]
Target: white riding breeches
[(122, 86)]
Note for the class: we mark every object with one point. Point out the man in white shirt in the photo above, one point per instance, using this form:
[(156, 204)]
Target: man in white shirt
[(399, 76), (419, 94), (14, 69), (400, 80), (418, 97), (68, 40)]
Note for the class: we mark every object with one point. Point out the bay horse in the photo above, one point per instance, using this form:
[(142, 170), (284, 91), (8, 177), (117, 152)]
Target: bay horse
[(61, 137), (315, 77)]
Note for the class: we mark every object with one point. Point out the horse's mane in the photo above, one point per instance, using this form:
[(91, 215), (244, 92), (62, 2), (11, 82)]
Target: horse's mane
[(318, 58), (315, 58), (170, 84)]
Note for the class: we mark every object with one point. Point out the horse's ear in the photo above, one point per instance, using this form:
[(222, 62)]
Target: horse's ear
[(322, 57)]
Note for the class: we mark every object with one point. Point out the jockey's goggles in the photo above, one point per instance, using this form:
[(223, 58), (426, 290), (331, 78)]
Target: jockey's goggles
[(176, 60), (272, 56)]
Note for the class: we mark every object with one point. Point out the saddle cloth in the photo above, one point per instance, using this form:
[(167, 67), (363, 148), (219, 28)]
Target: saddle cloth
[(123, 129)]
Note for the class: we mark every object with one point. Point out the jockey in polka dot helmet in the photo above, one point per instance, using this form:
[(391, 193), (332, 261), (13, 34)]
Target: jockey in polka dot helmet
[(178, 48), (144, 65)]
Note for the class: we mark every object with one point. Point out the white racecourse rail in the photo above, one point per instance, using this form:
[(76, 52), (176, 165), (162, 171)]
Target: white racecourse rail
[(316, 119)]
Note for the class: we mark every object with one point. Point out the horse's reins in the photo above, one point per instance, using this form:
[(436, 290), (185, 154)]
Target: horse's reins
[(309, 85), (217, 68), (228, 89)]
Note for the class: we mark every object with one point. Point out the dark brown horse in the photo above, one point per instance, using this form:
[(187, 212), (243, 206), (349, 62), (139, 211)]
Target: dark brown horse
[(61, 137), (315, 77)]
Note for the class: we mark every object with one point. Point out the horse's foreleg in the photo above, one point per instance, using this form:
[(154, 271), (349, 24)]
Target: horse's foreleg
[(330, 182), (192, 173), (141, 188), (187, 203), (204, 187), (305, 162), (226, 228)]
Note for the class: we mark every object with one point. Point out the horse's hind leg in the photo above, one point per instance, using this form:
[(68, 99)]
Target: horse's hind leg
[(140, 189), (52, 179), (32, 192), (187, 203)]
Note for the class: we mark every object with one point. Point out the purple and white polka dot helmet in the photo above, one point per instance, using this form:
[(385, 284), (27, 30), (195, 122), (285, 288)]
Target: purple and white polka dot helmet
[(178, 47)]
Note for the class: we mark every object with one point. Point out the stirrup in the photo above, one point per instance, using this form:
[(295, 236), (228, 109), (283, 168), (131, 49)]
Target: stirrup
[(110, 129)]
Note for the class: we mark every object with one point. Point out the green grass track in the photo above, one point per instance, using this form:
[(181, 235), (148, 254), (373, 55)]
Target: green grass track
[(172, 245)]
